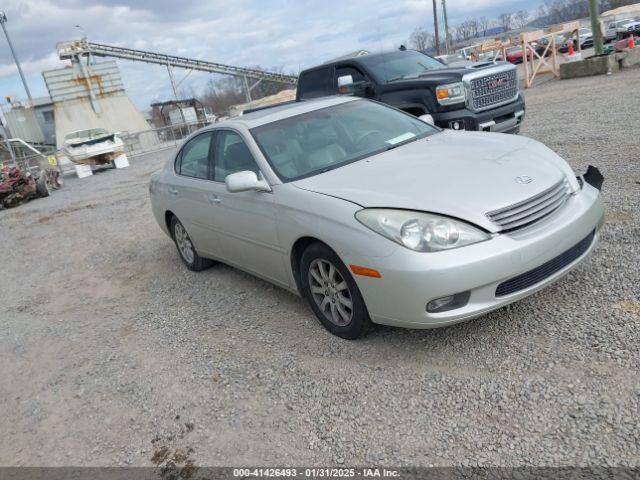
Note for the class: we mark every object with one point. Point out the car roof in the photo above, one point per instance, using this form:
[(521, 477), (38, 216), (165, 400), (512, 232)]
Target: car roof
[(279, 112)]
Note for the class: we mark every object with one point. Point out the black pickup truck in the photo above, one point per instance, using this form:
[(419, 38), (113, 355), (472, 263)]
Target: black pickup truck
[(481, 96)]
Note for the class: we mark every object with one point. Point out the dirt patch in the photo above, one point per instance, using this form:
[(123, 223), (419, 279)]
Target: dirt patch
[(618, 217), (174, 464), (64, 212), (630, 307)]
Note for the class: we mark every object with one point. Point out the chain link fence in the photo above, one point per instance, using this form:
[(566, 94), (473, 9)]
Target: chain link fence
[(138, 143), (26, 159), (135, 143)]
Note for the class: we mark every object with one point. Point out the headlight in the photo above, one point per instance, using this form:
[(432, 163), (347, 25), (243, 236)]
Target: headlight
[(419, 231), (450, 93)]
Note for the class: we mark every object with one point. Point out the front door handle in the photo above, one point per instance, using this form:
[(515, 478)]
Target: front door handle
[(173, 191), (214, 199)]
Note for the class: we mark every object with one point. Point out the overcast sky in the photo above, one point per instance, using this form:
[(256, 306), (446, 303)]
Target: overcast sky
[(288, 34)]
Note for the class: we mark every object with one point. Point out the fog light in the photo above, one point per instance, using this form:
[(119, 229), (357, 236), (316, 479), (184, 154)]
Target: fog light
[(450, 302), (456, 125)]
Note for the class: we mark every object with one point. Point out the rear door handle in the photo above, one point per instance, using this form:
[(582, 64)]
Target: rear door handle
[(214, 199), (173, 191)]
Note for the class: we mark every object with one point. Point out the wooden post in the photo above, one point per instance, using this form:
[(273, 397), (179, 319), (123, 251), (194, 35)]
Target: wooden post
[(554, 54), (527, 81)]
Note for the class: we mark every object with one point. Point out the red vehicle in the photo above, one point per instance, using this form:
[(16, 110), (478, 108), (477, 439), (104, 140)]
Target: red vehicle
[(17, 187), (516, 55)]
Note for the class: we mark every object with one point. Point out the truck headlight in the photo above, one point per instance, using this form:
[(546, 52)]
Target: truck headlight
[(450, 93), (420, 231)]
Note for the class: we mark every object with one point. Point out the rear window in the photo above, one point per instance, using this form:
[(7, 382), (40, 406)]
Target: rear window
[(315, 83)]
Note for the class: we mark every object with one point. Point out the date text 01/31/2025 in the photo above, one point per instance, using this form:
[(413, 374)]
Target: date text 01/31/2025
[(316, 472)]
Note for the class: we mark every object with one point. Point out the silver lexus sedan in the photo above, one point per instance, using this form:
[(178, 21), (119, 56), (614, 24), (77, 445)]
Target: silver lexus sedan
[(375, 216)]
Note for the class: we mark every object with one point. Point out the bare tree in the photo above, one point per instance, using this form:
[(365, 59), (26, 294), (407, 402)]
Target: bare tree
[(504, 20), (521, 18), (474, 27), (541, 12), (419, 39), (483, 26), (431, 43), (225, 91), (565, 10)]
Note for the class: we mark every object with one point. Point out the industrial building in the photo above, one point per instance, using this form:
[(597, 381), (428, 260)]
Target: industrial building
[(91, 96)]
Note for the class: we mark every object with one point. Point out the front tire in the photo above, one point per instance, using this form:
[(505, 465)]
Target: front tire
[(332, 293), (185, 247)]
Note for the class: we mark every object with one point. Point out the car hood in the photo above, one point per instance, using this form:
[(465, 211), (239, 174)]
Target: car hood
[(459, 174), (439, 76)]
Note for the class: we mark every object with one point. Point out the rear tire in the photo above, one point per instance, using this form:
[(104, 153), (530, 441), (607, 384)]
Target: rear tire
[(332, 293), (185, 247)]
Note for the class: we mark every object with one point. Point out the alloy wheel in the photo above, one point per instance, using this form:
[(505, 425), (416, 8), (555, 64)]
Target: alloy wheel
[(330, 292), (184, 243)]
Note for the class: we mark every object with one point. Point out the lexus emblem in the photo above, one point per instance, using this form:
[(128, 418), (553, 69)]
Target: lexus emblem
[(523, 179)]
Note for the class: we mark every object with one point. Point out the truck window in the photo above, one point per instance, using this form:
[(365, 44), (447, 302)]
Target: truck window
[(316, 83), (392, 66), (354, 72)]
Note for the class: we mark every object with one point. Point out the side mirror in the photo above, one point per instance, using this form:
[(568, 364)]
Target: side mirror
[(345, 83), (426, 118), (244, 182)]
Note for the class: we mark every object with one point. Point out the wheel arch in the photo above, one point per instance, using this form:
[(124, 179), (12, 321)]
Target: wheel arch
[(298, 248), (168, 215)]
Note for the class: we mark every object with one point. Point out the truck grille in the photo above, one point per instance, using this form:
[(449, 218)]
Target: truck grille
[(545, 270), (531, 210), (494, 89)]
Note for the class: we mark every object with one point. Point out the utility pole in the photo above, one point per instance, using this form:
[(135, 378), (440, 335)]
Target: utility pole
[(435, 27), (594, 12), (447, 38), (3, 20)]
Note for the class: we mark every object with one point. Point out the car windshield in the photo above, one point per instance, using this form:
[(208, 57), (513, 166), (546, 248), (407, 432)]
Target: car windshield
[(91, 133), (392, 66), (331, 137)]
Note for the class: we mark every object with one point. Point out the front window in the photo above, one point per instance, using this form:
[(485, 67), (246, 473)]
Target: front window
[(193, 160), (388, 67), (331, 137), (232, 155)]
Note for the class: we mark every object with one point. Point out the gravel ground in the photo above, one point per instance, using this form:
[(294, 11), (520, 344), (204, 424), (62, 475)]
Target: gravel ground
[(113, 353)]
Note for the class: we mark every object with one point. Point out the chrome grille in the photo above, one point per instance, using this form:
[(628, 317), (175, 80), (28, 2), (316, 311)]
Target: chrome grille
[(494, 89), (531, 210)]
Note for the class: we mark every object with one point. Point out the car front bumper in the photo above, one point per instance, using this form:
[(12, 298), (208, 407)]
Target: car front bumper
[(504, 119), (411, 279)]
